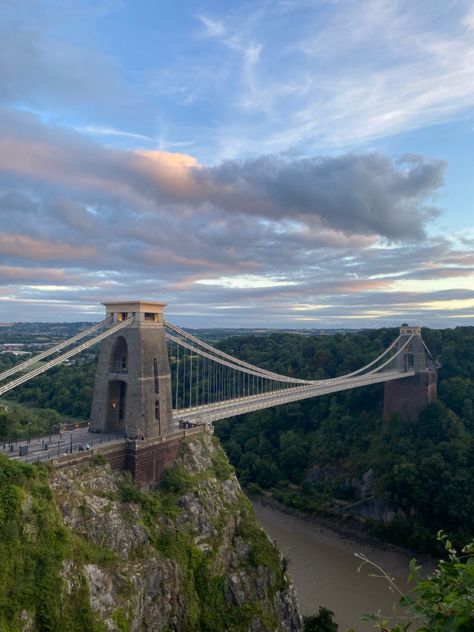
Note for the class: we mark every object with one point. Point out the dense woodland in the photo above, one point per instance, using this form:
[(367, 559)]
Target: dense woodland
[(326, 454), (319, 454)]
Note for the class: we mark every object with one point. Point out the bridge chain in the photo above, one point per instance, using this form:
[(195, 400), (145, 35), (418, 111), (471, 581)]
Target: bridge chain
[(65, 356)]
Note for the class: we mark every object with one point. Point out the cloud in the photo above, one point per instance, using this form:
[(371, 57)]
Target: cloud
[(81, 221), (253, 78), (24, 247), (366, 194), (238, 233), (355, 193), (110, 131), (346, 72), (213, 28)]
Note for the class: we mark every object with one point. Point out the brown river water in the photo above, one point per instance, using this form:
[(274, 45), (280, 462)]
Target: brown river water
[(324, 569)]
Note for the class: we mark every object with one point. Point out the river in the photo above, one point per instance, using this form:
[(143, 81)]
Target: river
[(324, 569)]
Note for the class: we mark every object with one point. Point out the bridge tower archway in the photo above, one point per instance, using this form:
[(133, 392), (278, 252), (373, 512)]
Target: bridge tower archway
[(132, 390), (116, 406)]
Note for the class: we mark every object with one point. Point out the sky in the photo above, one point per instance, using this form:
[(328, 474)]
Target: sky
[(270, 163)]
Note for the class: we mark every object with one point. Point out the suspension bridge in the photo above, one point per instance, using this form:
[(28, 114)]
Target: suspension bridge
[(154, 377)]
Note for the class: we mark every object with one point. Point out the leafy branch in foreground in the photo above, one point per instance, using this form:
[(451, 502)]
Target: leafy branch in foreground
[(443, 602)]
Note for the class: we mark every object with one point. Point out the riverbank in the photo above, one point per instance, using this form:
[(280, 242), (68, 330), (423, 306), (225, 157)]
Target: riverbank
[(345, 526), (325, 570)]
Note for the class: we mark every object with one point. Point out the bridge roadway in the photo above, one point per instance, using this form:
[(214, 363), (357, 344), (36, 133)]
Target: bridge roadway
[(230, 408), (74, 441)]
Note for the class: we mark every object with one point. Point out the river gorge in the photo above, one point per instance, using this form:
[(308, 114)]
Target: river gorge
[(325, 571)]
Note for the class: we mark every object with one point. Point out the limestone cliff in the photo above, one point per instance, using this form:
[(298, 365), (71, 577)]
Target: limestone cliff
[(85, 549)]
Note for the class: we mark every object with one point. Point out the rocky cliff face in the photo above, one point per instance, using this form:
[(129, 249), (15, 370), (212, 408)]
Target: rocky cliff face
[(186, 557)]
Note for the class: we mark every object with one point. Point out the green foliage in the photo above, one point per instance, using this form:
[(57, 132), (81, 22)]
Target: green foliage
[(65, 389), (333, 439), (220, 463), (128, 490), (11, 498), (207, 606), (84, 551), (149, 502), (98, 459), (311, 455), (176, 481), (293, 455), (443, 602), (321, 622), (34, 545), (446, 599), (120, 621), (261, 550), (20, 422)]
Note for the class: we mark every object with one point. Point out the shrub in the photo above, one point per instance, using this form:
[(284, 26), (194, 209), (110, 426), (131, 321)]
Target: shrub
[(321, 622), (444, 602)]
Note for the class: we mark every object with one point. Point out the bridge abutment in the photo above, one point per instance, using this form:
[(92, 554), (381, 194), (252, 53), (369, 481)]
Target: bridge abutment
[(147, 460), (410, 395)]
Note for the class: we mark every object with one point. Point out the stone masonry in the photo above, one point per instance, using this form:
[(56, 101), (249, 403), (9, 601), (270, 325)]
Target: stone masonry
[(132, 391), (410, 395)]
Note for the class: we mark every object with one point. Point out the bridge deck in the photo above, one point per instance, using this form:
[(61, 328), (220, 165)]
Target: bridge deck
[(230, 408), (57, 446)]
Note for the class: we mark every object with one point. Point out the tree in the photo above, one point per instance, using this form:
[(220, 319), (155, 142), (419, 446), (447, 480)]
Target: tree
[(321, 622), (293, 455)]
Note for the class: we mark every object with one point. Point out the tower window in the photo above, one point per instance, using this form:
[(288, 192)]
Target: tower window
[(122, 392), (155, 376), (157, 410)]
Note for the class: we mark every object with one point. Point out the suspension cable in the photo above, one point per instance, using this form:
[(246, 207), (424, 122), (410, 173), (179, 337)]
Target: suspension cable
[(218, 352), (264, 372), (65, 356), (218, 361), (251, 370), (392, 358), (367, 366), (55, 349)]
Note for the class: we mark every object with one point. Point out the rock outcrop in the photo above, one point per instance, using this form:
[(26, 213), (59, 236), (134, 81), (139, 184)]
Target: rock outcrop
[(188, 556)]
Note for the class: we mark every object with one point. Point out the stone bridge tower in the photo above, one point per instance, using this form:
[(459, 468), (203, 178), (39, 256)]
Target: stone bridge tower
[(410, 395), (132, 391)]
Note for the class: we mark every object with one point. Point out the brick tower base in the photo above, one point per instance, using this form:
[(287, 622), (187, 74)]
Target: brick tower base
[(410, 395)]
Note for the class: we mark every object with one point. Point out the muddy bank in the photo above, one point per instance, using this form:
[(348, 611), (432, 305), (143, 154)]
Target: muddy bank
[(346, 526)]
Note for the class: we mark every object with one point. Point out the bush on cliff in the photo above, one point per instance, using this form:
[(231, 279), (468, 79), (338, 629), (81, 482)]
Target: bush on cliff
[(321, 622), (443, 602)]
